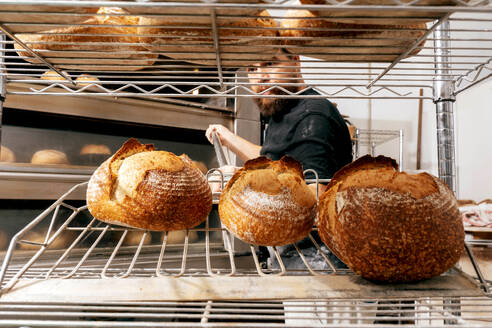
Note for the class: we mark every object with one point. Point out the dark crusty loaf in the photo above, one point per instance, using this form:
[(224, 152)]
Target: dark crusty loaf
[(388, 225), (143, 188), (268, 202)]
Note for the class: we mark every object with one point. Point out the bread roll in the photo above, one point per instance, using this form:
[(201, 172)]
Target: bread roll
[(49, 156), (41, 15), (86, 79), (240, 38), (268, 202), (63, 240), (6, 155), (95, 149), (148, 189), (390, 226), (53, 76), (307, 35), (132, 238), (4, 240), (178, 237), (115, 47), (92, 154), (396, 16)]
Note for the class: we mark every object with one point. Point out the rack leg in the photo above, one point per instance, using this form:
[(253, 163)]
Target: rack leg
[(2, 79), (444, 98)]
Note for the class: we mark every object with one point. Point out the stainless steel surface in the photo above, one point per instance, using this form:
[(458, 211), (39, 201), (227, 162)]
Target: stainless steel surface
[(444, 98), (374, 138)]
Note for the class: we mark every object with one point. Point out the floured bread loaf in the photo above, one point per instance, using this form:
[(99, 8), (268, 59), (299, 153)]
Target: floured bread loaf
[(306, 34), (390, 226), (268, 202), (243, 40), (148, 189), (105, 42)]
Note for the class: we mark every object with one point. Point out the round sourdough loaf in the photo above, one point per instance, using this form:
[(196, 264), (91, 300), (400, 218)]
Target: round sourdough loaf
[(390, 226), (148, 189), (268, 202)]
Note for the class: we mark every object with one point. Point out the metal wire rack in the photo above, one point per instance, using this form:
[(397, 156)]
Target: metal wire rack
[(177, 68), (95, 279)]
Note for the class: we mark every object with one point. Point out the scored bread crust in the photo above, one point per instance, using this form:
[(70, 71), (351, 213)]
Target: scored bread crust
[(305, 34), (243, 40), (268, 202), (390, 226), (99, 41), (147, 189)]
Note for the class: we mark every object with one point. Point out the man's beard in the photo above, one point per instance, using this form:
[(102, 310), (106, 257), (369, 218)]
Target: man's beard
[(275, 107)]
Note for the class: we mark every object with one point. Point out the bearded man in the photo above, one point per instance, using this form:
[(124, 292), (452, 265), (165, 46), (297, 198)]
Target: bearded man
[(307, 128)]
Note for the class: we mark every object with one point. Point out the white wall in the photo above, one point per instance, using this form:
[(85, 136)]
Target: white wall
[(473, 113)]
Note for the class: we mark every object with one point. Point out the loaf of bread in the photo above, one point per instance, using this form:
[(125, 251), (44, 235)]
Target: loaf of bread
[(396, 16), (93, 154), (51, 75), (6, 155), (148, 189), (113, 45), (306, 34), (86, 79), (268, 202), (390, 226), (49, 156), (243, 40), (37, 17)]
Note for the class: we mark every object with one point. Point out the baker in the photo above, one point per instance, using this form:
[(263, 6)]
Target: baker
[(309, 129)]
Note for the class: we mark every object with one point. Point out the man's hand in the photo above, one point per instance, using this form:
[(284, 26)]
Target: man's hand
[(225, 135), (239, 146)]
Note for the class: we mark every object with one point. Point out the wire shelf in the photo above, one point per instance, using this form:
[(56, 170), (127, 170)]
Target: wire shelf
[(420, 312), (205, 263), (196, 65)]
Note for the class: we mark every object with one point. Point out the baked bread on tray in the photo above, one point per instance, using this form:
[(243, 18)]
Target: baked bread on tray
[(308, 33), (108, 41), (390, 226), (144, 188), (268, 202)]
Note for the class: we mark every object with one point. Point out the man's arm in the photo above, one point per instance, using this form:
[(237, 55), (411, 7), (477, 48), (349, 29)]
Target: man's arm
[(240, 146)]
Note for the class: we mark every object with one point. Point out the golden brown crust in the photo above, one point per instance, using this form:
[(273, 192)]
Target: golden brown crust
[(390, 226), (95, 149), (102, 43), (154, 190), (268, 203), (6, 155), (49, 156), (243, 40), (340, 41)]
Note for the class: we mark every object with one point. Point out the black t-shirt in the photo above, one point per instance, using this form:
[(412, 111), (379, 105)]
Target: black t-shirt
[(314, 133)]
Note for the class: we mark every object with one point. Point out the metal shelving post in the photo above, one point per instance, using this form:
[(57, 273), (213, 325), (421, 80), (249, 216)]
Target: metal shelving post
[(444, 99)]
